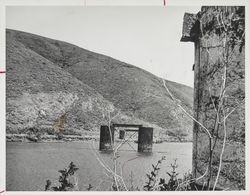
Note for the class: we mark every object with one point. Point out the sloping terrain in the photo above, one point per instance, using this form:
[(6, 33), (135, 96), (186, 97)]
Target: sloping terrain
[(47, 78), (38, 92)]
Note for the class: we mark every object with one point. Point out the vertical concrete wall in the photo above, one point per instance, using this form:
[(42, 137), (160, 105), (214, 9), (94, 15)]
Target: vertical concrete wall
[(195, 106), (145, 139), (106, 138), (210, 60)]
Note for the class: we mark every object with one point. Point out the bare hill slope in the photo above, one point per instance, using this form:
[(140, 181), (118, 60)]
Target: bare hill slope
[(59, 77)]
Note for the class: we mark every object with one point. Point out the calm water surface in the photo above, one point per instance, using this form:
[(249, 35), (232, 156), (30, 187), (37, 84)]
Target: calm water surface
[(29, 165)]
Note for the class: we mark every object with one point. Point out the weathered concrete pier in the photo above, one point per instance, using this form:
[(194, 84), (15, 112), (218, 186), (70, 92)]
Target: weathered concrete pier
[(106, 138), (218, 34), (122, 134), (145, 139)]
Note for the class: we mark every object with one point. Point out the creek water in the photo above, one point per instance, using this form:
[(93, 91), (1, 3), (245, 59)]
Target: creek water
[(29, 165)]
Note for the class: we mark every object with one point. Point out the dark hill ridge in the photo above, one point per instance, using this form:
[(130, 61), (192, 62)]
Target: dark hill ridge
[(139, 94)]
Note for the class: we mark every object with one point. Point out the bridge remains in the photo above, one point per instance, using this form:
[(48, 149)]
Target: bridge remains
[(145, 136)]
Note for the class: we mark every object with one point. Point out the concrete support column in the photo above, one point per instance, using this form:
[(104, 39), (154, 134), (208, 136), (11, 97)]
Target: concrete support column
[(145, 139), (122, 134), (106, 138)]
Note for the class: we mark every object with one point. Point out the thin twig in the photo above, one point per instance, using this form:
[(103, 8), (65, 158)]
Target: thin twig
[(206, 130), (222, 152)]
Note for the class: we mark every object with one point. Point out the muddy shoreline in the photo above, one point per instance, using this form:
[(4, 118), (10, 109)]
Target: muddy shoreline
[(69, 138), (48, 138)]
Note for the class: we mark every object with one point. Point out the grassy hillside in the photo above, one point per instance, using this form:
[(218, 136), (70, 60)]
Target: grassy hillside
[(38, 92), (61, 77)]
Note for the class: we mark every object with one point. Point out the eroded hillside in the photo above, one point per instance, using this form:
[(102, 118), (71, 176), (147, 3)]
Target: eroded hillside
[(47, 78)]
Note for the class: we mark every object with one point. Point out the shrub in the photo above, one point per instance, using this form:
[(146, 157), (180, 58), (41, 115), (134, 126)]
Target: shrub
[(65, 183), (150, 184), (173, 183)]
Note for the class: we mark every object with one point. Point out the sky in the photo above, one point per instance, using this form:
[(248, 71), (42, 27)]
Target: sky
[(147, 37)]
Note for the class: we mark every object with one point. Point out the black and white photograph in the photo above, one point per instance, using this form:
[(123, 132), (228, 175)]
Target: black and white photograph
[(124, 98)]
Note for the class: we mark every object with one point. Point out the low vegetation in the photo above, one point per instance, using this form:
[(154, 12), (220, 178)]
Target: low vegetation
[(65, 183), (171, 182)]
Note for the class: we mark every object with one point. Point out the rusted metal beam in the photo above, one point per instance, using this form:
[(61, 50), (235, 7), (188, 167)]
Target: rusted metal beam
[(135, 130), (126, 125)]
